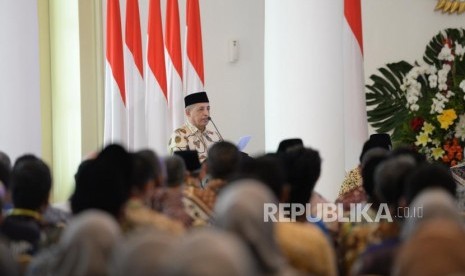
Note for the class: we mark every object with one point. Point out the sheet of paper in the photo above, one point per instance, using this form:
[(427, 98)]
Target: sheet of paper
[(243, 141)]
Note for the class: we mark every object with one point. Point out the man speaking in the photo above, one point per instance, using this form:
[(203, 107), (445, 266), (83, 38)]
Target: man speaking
[(194, 134)]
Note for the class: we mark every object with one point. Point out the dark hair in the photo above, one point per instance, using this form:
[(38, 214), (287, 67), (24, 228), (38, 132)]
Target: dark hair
[(103, 183), (5, 169), (303, 166), (370, 162), (142, 171), (154, 160), (377, 140), (31, 182), (175, 170), (223, 160), (429, 176), (410, 151), (288, 144), (390, 178), (267, 169)]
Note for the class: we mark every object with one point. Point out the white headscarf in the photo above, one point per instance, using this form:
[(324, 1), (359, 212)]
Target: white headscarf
[(240, 210)]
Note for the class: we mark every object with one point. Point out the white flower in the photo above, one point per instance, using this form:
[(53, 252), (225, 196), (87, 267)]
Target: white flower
[(446, 54), (460, 128), (462, 85), (414, 107), (459, 49), (433, 81)]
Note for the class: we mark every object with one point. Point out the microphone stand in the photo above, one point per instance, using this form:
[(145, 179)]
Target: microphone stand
[(221, 137)]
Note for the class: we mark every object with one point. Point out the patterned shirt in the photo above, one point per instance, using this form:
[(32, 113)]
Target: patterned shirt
[(189, 137)]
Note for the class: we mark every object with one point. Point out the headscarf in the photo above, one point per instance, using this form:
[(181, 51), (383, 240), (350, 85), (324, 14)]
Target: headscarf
[(435, 249), (209, 252), (142, 252), (429, 204), (240, 210), (84, 248)]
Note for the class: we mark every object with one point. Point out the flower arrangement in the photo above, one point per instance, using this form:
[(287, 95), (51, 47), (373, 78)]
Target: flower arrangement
[(423, 104)]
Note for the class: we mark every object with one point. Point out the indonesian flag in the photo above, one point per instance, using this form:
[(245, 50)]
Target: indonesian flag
[(355, 120), (134, 78), (193, 58), (174, 64), (156, 93), (115, 122)]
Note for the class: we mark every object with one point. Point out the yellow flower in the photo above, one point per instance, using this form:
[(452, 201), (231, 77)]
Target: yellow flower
[(437, 153), (428, 128), (422, 139), (447, 118)]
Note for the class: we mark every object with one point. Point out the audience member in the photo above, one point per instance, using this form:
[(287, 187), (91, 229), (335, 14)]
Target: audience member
[(137, 212), (104, 182), (169, 200), (434, 237), (31, 183), (84, 248), (240, 210), (142, 253), (209, 252), (351, 190), (222, 163)]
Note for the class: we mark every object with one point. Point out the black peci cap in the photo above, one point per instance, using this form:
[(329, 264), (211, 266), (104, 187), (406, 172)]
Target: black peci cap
[(191, 159), (198, 97)]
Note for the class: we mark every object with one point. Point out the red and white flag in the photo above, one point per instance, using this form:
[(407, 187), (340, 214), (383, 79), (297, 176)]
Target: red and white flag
[(355, 119), (174, 64), (193, 57), (115, 121), (135, 87), (158, 127)]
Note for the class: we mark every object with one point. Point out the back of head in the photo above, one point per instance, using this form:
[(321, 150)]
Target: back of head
[(142, 171), (191, 160), (224, 252), (430, 204), (153, 159), (31, 183), (268, 169), (410, 151), (5, 169), (435, 249), (223, 160), (370, 162), (240, 210), (390, 178), (378, 140), (289, 144), (303, 166), (175, 170), (142, 253), (86, 244), (103, 183), (429, 176)]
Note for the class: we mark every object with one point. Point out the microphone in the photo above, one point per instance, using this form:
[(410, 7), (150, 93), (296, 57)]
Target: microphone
[(210, 119)]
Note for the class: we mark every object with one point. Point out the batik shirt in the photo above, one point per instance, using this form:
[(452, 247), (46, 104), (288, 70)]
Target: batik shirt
[(188, 137)]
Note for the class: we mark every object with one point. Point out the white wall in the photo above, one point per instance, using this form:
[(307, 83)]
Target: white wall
[(20, 120)]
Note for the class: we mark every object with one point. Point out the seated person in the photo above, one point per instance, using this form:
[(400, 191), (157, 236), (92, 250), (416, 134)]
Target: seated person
[(23, 226)]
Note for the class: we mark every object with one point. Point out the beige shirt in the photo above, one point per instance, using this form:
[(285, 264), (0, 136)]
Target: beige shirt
[(189, 137)]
